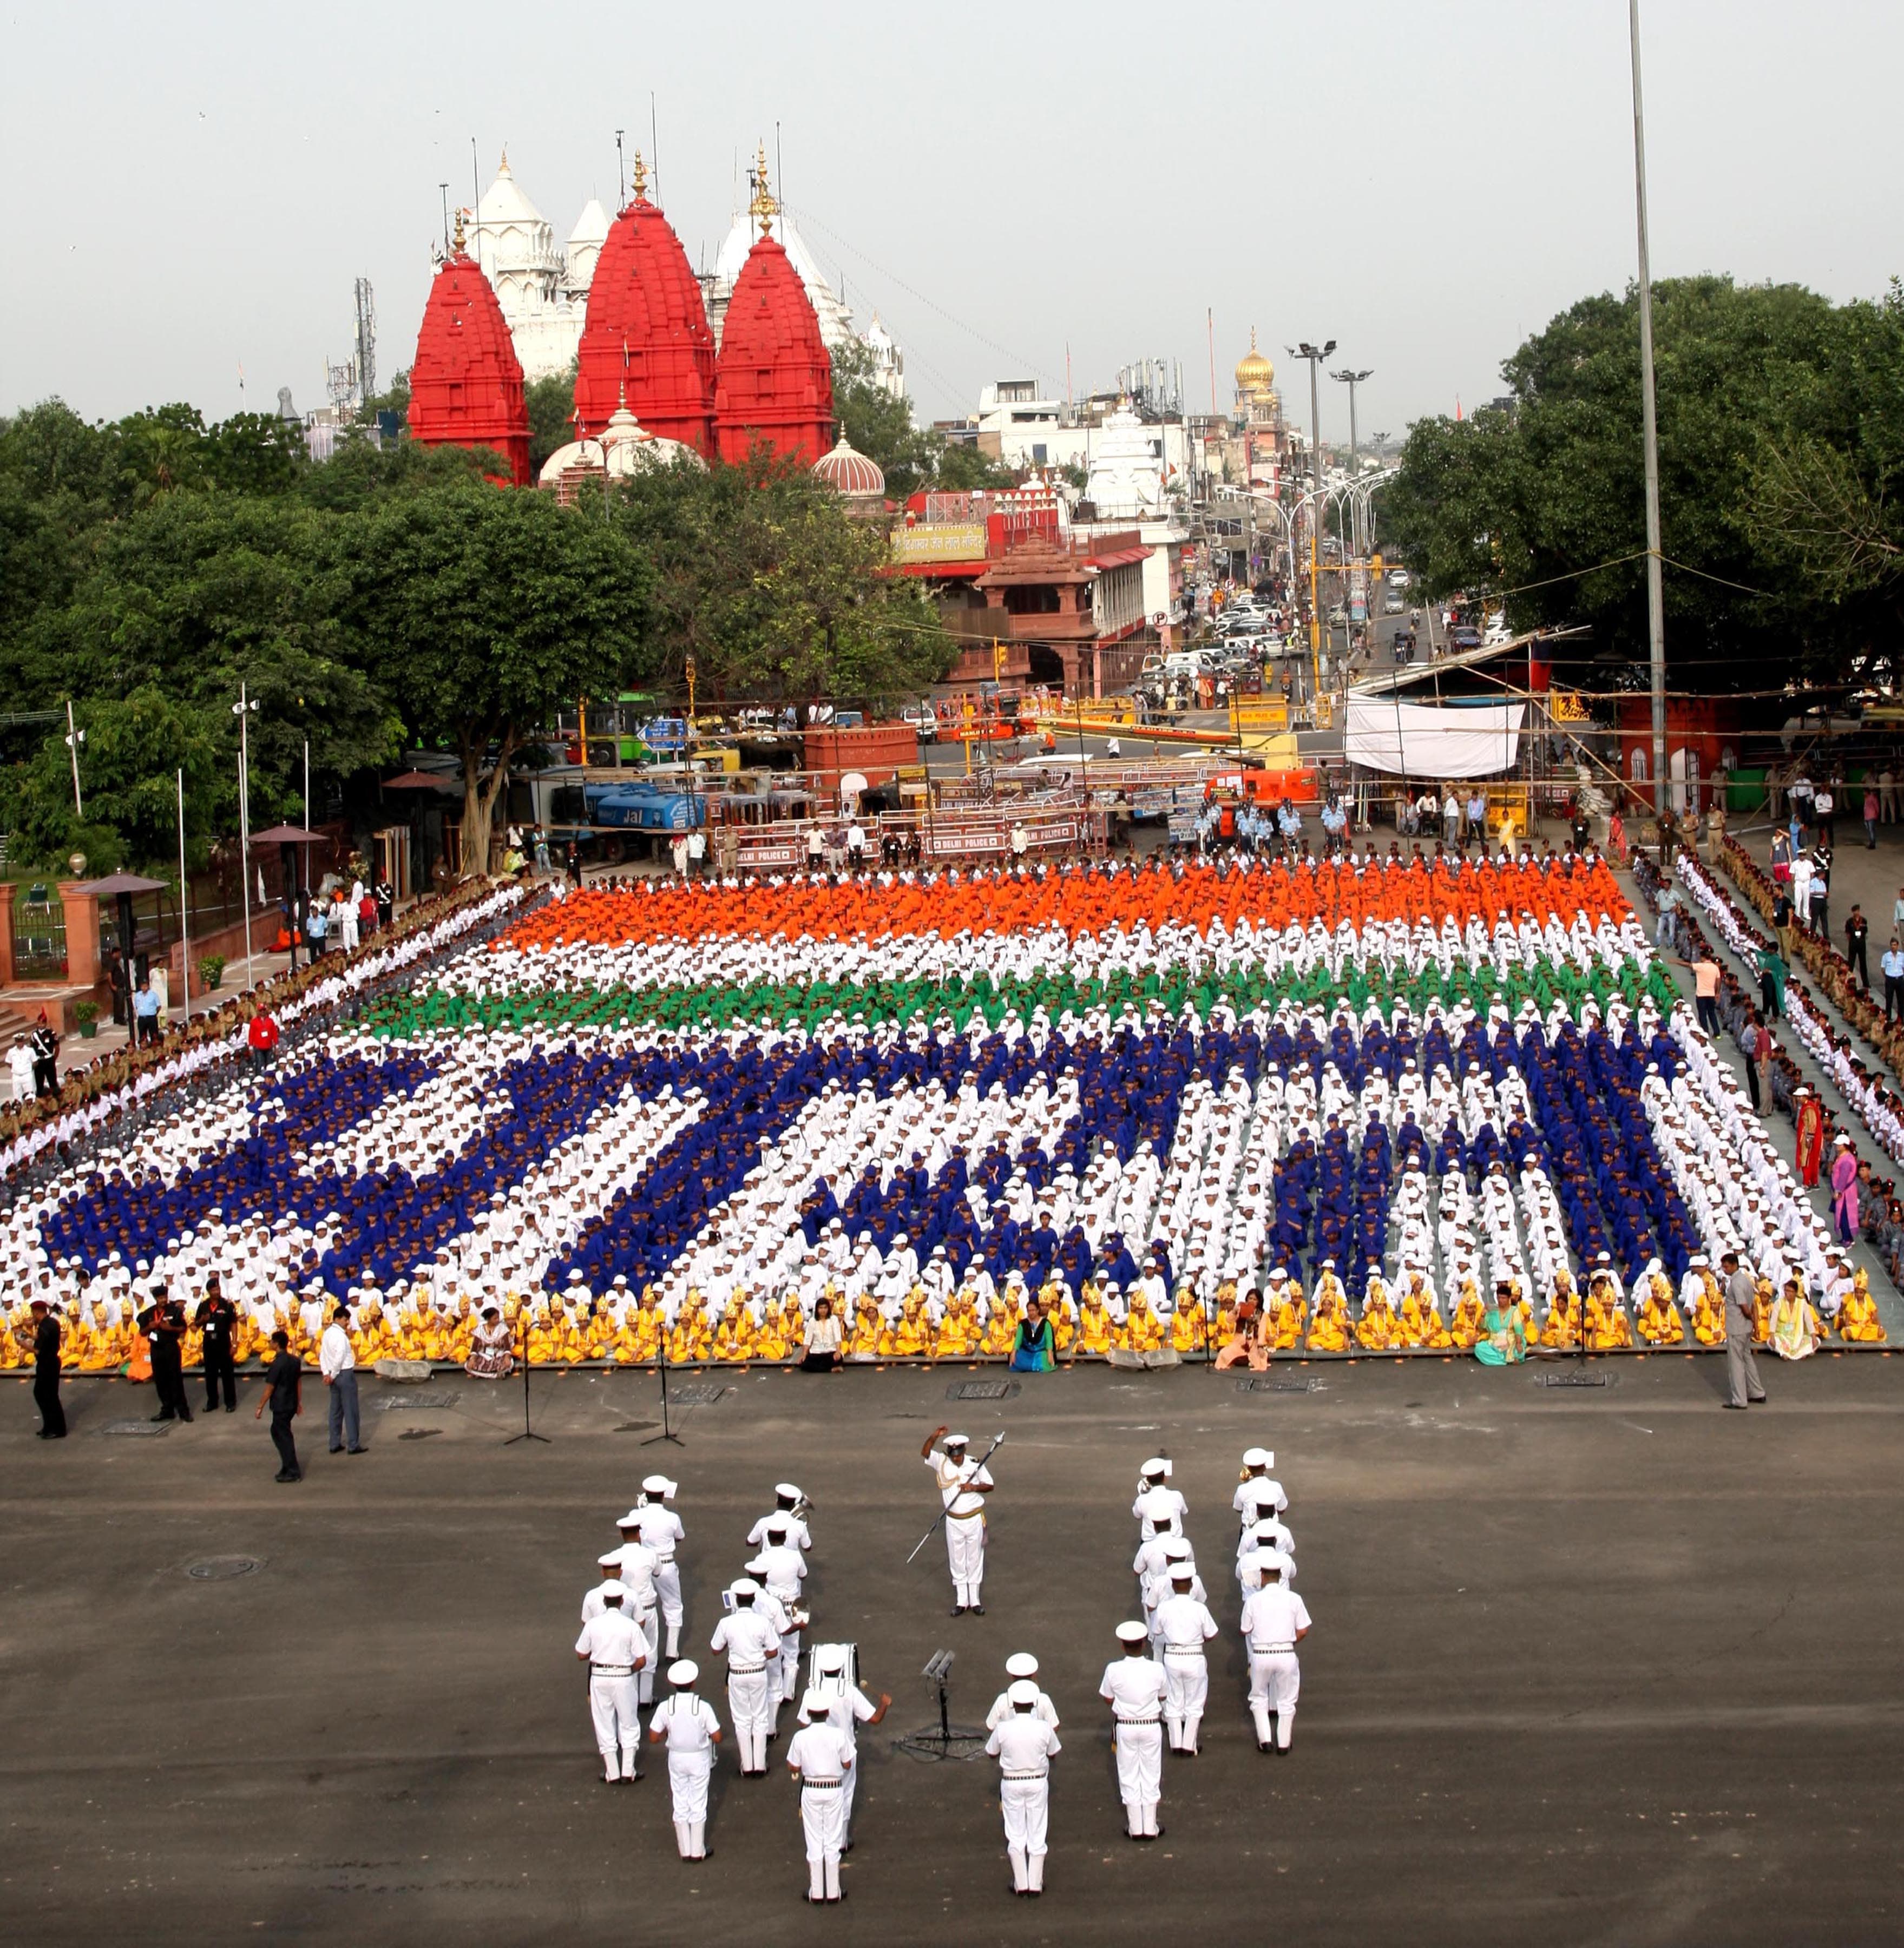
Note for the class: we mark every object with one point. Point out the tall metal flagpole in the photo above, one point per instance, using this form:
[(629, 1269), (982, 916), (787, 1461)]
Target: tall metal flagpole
[(184, 904), (245, 820), (1655, 589)]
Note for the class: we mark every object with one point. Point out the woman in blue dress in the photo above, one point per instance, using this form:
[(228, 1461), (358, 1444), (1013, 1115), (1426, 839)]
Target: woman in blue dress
[(1031, 1351)]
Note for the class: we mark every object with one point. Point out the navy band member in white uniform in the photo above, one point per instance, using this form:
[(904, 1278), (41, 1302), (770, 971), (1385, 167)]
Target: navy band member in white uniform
[(819, 1758), (614, 1650), (639, 1564), (848, 1707), (1184, 1626), (661, 1530), (753, 1647), (1020, 1664), (1134, 1684), (787, 1513), (1274, 1621), (1023, 1744), (963, 1486), (685, 1723), (1159, 1506), (1256, 1486), (781, 1569)]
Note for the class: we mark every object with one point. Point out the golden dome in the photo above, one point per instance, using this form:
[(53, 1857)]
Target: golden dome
[(1255, 375)]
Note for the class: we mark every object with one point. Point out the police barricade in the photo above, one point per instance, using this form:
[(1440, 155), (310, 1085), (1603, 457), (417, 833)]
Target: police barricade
[(968, 836)]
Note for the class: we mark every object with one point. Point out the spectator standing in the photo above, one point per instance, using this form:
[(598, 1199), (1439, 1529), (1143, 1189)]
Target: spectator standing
[(1705, 991), (1891, 965), (1743, 1383), (1870, 816), (1887, 794), (20, 1066), (1752, 1040), (283, 1384), (1857, 929), (1781, 912), (261, 1036), (1825, 806), (337, 1362), (1821, 893), (44, 1044), (1800, 792), (386, 893), (1477, 816), (1772, 983), (217, 1321), (314, 929), (145, 1014), (163, 1324), (46, 1371)]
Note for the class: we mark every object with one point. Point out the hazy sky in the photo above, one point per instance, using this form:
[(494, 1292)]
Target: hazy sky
[(1425, 181)]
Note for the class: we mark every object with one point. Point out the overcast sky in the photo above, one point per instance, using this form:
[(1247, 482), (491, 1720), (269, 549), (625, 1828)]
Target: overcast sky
[(1425, 180)]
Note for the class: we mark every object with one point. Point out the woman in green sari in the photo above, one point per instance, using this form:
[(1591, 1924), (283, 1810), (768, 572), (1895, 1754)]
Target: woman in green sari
[(1504, 1336)]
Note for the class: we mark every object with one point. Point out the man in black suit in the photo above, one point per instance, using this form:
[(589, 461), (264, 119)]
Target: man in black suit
[(217, 1321), (163, 1323), (284, 1382), (46, 1371)]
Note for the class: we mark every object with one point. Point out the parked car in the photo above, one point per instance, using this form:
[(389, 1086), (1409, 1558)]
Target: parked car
[(1463, 637), (925, 721)]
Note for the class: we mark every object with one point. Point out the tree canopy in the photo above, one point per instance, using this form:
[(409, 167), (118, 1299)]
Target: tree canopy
[(387, 599), (880, 427), (1781, 429)]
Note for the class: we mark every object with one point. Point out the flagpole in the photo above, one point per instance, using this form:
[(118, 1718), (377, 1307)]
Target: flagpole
[(184, 906)]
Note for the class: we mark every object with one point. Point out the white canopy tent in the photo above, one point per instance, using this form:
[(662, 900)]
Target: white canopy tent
[(1420, 741)]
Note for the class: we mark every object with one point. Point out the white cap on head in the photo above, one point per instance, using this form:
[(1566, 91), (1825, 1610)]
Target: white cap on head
[(745, 1587), (1157, 1468), (660, 1485), (613, 1593), (611, 1561), (1021, 1663), (683, 1671), (1177, 1550), (813, 1706), (633, 1519), (1258, 1457), (1024, 1694), (786, 1491), (1132, 1633), (954, 1440), (831, 1656)]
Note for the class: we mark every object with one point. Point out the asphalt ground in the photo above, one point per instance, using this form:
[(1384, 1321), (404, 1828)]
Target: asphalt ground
[(1589, 1665)]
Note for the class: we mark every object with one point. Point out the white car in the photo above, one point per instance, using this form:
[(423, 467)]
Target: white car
[(925, 721)]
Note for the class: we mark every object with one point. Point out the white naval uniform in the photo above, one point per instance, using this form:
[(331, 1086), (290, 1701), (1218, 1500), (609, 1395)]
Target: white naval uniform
[(1003, 1708), (1161, 1510), (846, 1711), (780, 1572), (1023, 1745), (1135, 1687), (661, 1531), (1258, 1491), (1270, 1618), (822, 1758), (689, 1726), (638, 1563), (1184, 1626), (797, 1536), (611, 1643), (965, 1522), (753, 1648)]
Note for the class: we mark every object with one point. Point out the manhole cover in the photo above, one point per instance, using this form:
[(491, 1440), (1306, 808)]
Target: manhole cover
[(222, 1569), (695, 1395), (139, 1430), (420, 1434), (635, 1426), (1261, 1383), (415, 1403), (967, 1390), (1574, 1379)]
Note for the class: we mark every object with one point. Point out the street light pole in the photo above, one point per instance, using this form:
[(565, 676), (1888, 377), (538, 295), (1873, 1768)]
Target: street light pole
[(75, 737), (1655, 589), (1352, 380), (1315, 354), (242, 710)]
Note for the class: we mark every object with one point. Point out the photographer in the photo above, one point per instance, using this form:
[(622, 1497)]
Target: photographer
[(163, 1323)]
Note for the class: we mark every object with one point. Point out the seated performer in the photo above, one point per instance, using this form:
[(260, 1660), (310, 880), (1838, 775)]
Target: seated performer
[(1328, 1325), (1420, 1318), (1608, 1326), (1561, 1330), (491, 1350), (1034, 1351), (1378, 1330), (1658, 1322), (1246, 1342), (1504, 1341), (1469, 1320), (1858, 1320), (1795, 1331)]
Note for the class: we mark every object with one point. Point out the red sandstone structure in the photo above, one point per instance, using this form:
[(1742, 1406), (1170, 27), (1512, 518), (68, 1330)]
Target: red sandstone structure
[(466, 382)]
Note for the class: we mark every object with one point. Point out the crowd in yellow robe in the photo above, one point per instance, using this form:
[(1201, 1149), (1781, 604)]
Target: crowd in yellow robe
[(1658, 1320), (1858, 1321)]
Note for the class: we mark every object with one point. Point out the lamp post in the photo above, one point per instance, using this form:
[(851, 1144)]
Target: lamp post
[(243, 710), (1315, 354), (1352, 380), (1655, 592), (75, 737)]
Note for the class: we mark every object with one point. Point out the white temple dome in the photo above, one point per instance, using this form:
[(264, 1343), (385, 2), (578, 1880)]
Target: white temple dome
[(850, 473), (630, 448)]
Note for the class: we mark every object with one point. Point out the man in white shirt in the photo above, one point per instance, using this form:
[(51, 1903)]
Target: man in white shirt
[(753, 1647), (1135, 1684), (611, 1647), (638, 1563), (1256, 1485), (661, 1529), (963, 1484), (781, 1569), (337, 1362), (848, 1707), (819, 1758), (1184, 1626), (1274, 1620), (685, 1723), (1023, 1744), (1020, 1664), (788, 1499), (1159, 1506)]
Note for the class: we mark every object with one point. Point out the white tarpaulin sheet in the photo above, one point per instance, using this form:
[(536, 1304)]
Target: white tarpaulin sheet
[(1423, 742)]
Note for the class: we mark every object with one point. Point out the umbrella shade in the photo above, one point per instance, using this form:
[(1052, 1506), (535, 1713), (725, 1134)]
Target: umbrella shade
[(286, 834), (123, 882), (419, 781)]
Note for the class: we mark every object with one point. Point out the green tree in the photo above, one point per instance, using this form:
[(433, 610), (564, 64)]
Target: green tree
[(479, 612), (910, 457), (1543, 500), (774, 590), (551, 413)]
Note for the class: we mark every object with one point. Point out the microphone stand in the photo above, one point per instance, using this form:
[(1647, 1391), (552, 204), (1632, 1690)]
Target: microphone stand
[(528, 1433), (667, 1433)]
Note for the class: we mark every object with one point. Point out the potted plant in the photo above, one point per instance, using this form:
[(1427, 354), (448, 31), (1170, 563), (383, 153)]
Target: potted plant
[(86, 1014), (211, 970)]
